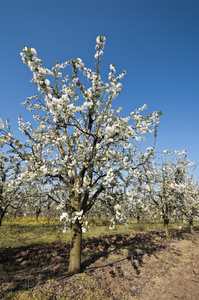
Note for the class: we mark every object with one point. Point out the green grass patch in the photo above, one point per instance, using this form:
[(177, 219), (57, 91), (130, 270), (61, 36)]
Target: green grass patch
[(27, 231), (24, 232)]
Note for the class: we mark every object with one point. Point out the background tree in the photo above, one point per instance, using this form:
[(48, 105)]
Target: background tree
[(160, 183), (10, 183), (187, 193)]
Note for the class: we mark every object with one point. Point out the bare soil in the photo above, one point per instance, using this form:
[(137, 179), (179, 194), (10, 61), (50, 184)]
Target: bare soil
[(137, 266)]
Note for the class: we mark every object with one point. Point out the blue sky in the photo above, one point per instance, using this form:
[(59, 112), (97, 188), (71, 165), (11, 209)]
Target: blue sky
[(156, 41)]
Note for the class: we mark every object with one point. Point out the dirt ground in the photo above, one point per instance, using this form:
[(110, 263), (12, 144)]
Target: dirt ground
[(138, 266)]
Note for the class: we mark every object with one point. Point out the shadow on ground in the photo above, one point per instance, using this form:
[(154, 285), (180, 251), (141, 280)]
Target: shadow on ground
[(24, 268)]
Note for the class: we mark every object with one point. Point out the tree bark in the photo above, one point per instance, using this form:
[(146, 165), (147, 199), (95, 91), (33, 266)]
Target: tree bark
[(38, 211), (2, 213), (75, 248), (166, 226), (138, 219), (191, 227)]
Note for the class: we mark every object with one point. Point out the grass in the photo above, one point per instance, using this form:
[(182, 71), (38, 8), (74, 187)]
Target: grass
[(27, 231), (83, 282)]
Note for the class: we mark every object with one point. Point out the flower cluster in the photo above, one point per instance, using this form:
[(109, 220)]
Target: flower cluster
[(76, 216), (118, 218), (100, 40), (1, 124)]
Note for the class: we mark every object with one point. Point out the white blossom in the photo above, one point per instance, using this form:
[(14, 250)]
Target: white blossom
[(1, 124)]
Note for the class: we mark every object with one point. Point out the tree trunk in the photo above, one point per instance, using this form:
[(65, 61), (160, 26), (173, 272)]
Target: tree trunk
[(191, 226), (2, 213), (166, 226), (138, 219), (75, 248), (38, 211)]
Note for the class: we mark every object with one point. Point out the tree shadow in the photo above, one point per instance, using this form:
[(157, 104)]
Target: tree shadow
[(137, 246), (23, 268)]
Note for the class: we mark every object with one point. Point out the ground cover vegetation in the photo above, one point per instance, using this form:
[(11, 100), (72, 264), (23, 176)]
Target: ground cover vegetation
[(82, 159), (123, 263)]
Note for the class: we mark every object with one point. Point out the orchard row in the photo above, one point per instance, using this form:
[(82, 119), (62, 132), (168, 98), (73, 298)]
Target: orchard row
[(82, 157)]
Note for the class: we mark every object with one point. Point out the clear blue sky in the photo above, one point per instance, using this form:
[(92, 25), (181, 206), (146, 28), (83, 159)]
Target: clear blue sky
[(156, 41)]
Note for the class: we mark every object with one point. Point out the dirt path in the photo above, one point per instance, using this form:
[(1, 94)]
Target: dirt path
[(137, 266), (180, 280)]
